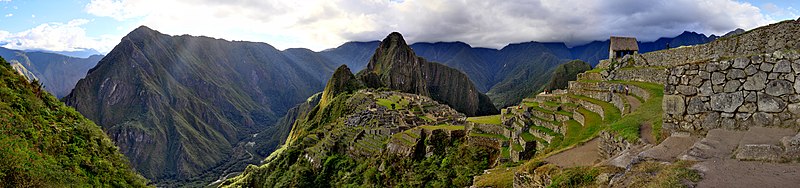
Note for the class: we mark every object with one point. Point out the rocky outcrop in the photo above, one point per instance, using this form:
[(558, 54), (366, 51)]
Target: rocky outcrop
[(342, 81), (395, 66)]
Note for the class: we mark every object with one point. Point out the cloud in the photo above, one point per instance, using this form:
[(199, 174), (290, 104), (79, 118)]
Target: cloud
[(777, 12), (119, 10), (320, 24), (56, 37), (9, 15)]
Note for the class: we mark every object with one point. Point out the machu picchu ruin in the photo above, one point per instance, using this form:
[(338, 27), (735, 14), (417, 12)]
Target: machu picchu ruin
[(684, 116)]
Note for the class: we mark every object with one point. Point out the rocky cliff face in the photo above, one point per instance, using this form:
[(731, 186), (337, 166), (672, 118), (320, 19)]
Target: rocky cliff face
[(394, 65), (342, 81)]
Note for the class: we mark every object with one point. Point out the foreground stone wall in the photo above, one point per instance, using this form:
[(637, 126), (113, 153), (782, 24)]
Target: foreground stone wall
[(735, 93)]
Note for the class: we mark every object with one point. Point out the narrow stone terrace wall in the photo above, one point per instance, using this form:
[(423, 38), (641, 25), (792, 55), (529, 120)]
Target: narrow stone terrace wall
[(758, 90)]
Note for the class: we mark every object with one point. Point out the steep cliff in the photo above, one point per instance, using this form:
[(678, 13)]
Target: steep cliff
[(44, 143), (395, 66)]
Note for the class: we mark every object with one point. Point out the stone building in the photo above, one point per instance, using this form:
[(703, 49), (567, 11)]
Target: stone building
[(621, 46)]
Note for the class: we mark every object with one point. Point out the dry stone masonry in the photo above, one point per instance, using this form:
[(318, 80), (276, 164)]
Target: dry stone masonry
[(734, 93)]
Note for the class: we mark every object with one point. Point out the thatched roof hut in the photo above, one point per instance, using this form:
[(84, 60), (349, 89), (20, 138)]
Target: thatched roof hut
[(621, 46)]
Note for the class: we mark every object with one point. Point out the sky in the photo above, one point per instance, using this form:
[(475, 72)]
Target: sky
[(75, 25)]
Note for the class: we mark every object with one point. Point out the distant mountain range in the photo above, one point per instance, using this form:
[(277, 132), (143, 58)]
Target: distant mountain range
[(58, 73)]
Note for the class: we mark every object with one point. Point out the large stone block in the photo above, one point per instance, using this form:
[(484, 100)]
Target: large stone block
[(686, 90), (768, 103), (717, 78), (779, 87), (756, 82), (726, 102), (674, 104), (759, 152), (763, 119), (735, 74), (695, 106), (782, 66), (731, 86), (741, 63)]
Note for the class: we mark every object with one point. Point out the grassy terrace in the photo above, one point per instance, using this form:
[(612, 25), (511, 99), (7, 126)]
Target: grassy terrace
[(545, 130), (610, 111), (650, 111), (398, 102), (486, 135), (442, 126), (527, 136), (492, 119)]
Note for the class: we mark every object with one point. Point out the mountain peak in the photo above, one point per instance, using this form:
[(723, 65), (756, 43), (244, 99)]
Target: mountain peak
[(394, 39), (142, 31)]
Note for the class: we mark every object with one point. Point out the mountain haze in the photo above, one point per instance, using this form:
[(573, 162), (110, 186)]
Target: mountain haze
[(58, 73)]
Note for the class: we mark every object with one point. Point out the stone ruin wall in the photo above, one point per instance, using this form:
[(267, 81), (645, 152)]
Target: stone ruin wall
[(734, 93), (767, 39)]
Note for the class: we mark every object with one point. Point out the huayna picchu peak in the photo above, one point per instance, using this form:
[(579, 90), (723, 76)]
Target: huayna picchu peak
[(395, 66)]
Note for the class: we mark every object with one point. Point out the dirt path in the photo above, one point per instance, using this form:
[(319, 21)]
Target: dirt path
[(671, 148), (584, 155), (735, 173), (714, 155), (646, 132), (634, 102)]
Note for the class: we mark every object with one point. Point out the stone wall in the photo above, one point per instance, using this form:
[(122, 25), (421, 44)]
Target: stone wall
[(767, 39), (611, 145), (641, 74), (734, 93)]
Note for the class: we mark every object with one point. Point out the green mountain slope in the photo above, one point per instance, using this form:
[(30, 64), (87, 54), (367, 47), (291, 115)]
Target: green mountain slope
[(346, 141), (566, 72), (58, 73), (44, 143), (182, 108)]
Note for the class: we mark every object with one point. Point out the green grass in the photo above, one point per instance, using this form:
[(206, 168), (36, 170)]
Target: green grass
[(426, 118), (528, 137), (545, 130), (595, 70), (505, 152), (649, 111), (551, 103), (442, 126), (492, 119), (44, 143), (396, 100), (516, 147), (497, 177), (485, 135), (610, 111)]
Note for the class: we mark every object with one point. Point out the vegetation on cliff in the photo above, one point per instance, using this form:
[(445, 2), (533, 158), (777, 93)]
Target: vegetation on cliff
[(44, 143)]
